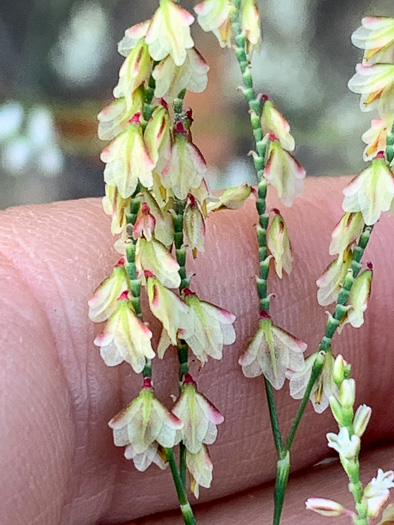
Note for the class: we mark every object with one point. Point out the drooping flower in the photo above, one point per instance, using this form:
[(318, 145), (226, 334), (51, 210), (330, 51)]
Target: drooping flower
[(232, 199), (214, 15), (346, 232), (198, 415), (272, 352), (346, 446), (376, 493), (172, 79), (375, 85), (164, 227), (144, 422), (193, 226), (375, 137), (371, 192), (376, 37), (279, 244), (114, 118), (127, 160), (115, 206), (132, 37), (272, 121), (284, 172), (358, 300), (134, 71), (323, 388), (212, 328), (186, 167), (105, 299), (145, 223), (199, 467), (157, 137), (325, 507), (331, 281), (251, 25), (125, 338), (169, 32), (170, 310), (153, 256)]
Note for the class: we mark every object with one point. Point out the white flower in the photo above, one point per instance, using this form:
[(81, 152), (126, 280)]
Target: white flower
[(105, 299), (332, 279), (199, 467), (346, 446), (376, 493), (272, 121), (154, 257), (278, 243)]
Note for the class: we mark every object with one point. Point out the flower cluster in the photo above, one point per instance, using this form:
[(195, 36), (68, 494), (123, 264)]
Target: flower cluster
[(372, 192), (157, 198)]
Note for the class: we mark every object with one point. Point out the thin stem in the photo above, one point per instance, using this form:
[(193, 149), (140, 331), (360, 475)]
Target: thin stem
[(184, 504), (282, 476), (274, 418)]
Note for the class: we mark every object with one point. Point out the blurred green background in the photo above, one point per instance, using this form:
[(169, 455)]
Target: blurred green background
[(59, 64)]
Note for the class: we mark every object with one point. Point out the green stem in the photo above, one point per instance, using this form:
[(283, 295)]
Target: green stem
[(131, 268), (184, 504), (282, 476), (148, 106), (274, 418)]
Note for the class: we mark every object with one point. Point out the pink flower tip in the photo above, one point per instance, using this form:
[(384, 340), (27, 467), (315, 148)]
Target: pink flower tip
[(272, 137), (264, 315), (124, 296), (192, 199), (147, 383), (187, 291), (276, 211), (145, 210), (369, 265), (120, 262), (135, 119), (189, 114), (148, 274), (264, 97), (380, 155), (163, 102), (188, 380), (179, 127)]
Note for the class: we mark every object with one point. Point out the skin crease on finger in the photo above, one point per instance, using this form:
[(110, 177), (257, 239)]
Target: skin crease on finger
[(58, 462)]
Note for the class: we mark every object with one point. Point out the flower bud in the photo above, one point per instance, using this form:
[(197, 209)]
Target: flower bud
[(251, 25), (338, 370), (145, 224), (279, 245), (325, 507), (272, 121), (194, 226), (336, 410), (348, 229), (361, 419), (232, 199), (347, 393)]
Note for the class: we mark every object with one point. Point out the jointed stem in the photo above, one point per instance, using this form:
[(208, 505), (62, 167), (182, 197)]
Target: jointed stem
[(184, 504)]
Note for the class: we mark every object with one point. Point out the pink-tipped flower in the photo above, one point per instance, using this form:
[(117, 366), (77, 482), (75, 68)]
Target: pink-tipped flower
[(232, 199), (279, 245), (134, 72), (212, 328), (376, 493), (171, 311), (157, 138), (114, 118), (145, 224), (185, 169), (154, 257), (331, 281), (214, 15), (324, 387), (251, 26), (169, 32), (132, 36), (371, 192), (358, 300), (125, 338), (172, 79), (346, 232), (284, 173), (376, 37), (164, 227), (127, 161), (193, 226), (361, 419), (105, 299), (198, 415), (115, 206), (199, 467), (375, 85), (272, 352), (325, 507), (375, 137), (144, 422), (272, 121)]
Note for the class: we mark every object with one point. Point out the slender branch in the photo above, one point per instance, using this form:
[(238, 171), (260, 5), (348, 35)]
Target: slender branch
[(274, 418), (184, 504)]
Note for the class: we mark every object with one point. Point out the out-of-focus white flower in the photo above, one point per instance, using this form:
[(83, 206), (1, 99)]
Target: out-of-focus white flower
[(376, 37), (325, 507), (199, 467), (251, 26), (132, 36), (214, 15), (11, 119), (376, 493), (375, 85)]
